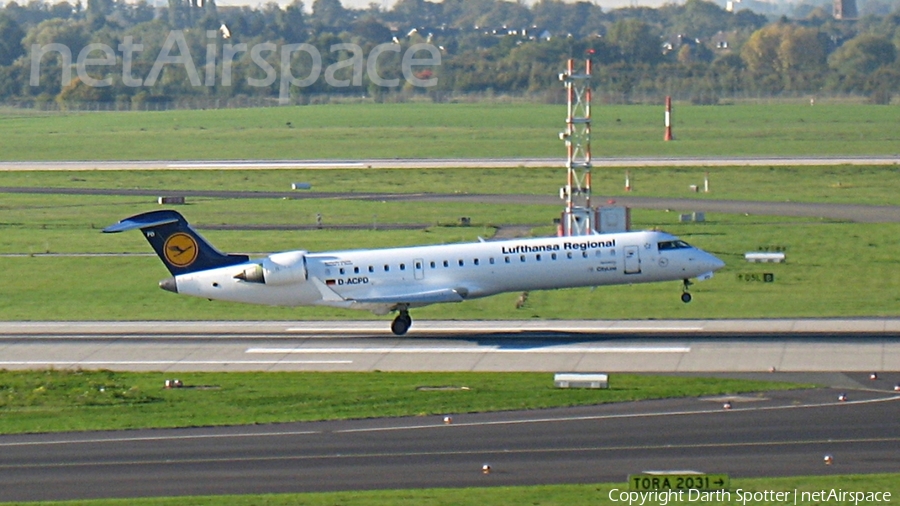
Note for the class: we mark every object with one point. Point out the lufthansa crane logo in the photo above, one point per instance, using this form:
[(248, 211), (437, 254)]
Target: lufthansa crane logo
[(180, 249)]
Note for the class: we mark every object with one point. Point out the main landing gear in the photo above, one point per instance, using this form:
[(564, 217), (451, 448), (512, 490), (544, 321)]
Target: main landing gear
[(401, 323), (685, 295)]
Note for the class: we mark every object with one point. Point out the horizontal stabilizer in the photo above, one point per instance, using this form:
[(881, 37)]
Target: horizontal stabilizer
[(147, 220)]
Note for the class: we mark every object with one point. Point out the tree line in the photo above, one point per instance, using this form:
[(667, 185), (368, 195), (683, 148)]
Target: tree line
[(130, 54)]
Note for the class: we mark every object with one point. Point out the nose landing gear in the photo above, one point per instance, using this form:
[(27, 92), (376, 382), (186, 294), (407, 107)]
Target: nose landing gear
[(685, 295)]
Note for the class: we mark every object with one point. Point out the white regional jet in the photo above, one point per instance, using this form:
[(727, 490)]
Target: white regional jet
[(397, 279)]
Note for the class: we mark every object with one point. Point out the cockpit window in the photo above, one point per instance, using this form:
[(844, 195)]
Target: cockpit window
[(667, 245)]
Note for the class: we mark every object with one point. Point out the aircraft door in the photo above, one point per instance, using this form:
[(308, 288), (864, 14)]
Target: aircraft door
[(419, 268), (632, 260)]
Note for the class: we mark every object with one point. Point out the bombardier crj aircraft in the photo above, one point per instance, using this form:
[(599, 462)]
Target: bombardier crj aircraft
[(397, 279)]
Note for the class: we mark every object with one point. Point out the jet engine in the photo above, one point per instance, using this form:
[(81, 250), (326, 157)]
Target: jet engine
[(278, 269)]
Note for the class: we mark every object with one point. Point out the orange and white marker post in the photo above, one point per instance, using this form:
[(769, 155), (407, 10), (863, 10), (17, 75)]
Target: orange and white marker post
[(668, 136)]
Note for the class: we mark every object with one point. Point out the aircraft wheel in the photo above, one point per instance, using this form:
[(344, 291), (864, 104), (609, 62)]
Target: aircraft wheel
[(685, 297), (401, 324)]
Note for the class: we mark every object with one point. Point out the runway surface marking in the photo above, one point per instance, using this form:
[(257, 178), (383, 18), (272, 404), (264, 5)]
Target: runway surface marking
[(444, 426), (478, 350), (628, 415), (486, 452), (494, 329), (142, 439), (267, 165)]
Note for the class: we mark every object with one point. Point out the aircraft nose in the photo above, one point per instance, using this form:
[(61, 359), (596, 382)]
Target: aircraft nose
[(715, 262)]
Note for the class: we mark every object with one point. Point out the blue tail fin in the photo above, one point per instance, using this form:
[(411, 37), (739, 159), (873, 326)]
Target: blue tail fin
[(178, 245)]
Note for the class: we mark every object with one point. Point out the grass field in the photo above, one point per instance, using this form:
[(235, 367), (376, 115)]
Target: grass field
[(539, 495), (839, 184), (833, 269), (353, 131), (858, 278), (53, 401)]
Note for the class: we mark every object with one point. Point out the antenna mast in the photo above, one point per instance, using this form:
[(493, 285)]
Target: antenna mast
[(578, 217)]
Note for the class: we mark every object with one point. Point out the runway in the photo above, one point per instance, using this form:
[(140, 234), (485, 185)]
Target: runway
[(668, 346), (776, 434)]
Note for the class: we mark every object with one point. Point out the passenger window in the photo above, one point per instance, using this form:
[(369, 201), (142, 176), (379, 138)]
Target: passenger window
[(552, 256), (433, 265), (371, 268), (584, 254), (402, 267), (522, 258), (461, 263), (387, 268), (538, 257), (342, 270), (446, 263), (491, 260), (475, 261), (506, 259), (569, 255), (356, 270)]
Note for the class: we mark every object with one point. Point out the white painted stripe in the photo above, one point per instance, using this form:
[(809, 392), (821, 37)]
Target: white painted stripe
[(496, 329), (264, 165), (654, 414), (536, 350), (650, 329), (65, 363), (172, 435), (141, 439)]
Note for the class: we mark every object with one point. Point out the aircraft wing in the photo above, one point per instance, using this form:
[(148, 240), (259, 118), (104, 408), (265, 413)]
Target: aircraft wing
[(425, 297)]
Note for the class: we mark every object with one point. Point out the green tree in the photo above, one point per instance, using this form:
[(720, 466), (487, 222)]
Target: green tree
[(330, 14), (11, 36), (371, 31), (291, 23), (97, 10), (696, 18), (636, 41), (784, 48), (863, 55)]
